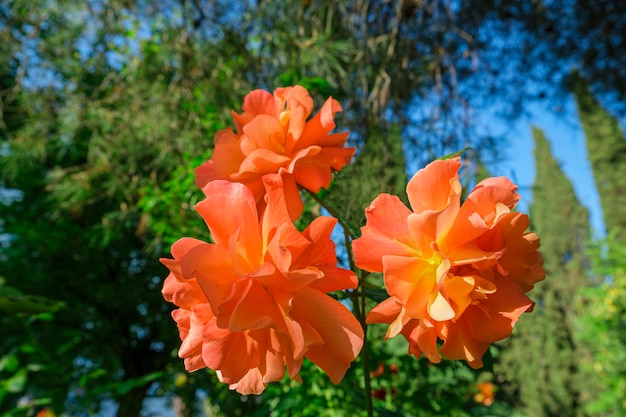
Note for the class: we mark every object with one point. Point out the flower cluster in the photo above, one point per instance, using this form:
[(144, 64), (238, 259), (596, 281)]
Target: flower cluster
[(274, 136), (454, 272), (255, 302)]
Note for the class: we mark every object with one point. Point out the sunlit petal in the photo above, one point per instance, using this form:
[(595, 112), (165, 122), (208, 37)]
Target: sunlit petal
[(386, 233)]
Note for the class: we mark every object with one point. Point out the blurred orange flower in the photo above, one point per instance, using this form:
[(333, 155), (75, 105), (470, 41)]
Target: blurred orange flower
[(255, 301), (45, 412), (378, 371), (485, 394), (454, 272), (274, 136), (382, 393)]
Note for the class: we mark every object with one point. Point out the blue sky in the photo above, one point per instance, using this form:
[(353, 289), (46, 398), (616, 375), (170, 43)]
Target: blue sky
[(568, 147)]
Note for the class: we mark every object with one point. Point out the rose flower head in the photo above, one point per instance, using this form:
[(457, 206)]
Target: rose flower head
[(255, 302), (454, 272), (273, 136)]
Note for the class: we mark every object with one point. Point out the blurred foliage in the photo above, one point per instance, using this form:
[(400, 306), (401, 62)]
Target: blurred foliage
[(541, 361), (606, 147), (13, 301), (107, 105), (379, 167), (401, 385), (603, 328)]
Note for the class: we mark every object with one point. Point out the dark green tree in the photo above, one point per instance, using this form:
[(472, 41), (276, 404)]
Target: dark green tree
[(542, 359), (606, 148), (602, 327), (98, 130)]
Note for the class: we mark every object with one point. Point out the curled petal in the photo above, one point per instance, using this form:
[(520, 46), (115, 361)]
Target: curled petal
[(434, 194), (264, 133), (284, 204), (521, 261), (255, 103), (385, 312), (299, 104), (295, 206), (316, 130), (227, 157), (183, 293), (260, 162), (321, 252), (490, 200), (250, 384), (190, 330), (222, 198), (176, 289), (458, 290), (302, 334), (315, 171), (411, 281), (213, 269), (386, 233), (250, 307), (260, 102), (337, 327), (493, 319), (440, 309), (422, 336), (459, 344), (321, 246), (435, 187), (503, 190), (234, 354)]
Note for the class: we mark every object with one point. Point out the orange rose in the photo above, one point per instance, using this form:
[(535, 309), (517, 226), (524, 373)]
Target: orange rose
[(255, 301), (274, 136), (454, 272)]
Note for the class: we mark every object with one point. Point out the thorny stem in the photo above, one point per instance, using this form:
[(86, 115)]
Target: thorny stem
[(358, 298)]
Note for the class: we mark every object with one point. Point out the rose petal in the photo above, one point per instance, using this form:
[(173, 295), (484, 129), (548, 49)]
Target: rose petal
[(386, 233)]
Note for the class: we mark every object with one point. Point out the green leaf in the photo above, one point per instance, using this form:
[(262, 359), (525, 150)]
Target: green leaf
[(127, 386), (9, 291), (17, 382), (26, 304), (9, 363), (376, 294), (455, 154)]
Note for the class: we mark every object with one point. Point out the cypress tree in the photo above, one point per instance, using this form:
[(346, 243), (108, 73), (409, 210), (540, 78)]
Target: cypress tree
[(607, 153), (542, 359)]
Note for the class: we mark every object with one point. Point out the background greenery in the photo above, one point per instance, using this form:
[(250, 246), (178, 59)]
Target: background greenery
[(107, 105)]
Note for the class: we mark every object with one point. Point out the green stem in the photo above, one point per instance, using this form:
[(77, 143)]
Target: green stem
[(359, 303), (346, 227), (358, 298), (366, 355)]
